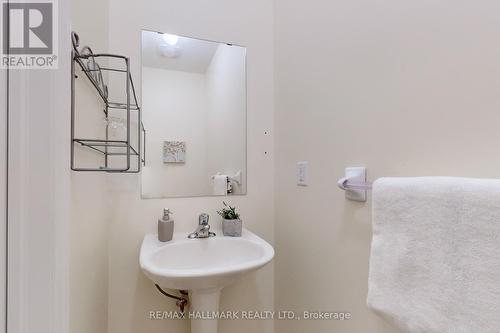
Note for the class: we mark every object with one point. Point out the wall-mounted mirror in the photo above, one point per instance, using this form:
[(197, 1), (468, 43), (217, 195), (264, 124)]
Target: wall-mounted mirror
[(194, 109)]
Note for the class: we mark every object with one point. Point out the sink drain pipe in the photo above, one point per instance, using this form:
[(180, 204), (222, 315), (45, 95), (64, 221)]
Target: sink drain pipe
[(181, 301)]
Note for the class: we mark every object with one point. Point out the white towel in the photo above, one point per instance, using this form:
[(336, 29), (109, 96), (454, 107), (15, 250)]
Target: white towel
[(435, 258), (220, 185)]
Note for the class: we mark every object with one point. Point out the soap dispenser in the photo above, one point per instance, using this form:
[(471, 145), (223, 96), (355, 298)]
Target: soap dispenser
[(165, 226)]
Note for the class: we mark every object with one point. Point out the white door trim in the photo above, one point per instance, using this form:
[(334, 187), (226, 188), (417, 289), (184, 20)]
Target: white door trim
[(39, 193), (3, 200)]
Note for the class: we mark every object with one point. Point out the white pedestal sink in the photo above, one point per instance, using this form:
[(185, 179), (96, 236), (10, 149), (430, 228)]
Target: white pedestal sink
[(203, 267)]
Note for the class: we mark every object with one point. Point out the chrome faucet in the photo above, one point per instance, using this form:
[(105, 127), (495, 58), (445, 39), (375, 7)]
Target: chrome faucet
[(203, 230)]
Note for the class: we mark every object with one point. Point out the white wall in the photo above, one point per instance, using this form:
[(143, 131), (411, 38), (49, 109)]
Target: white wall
[(132, 295), (403, 88), (175, 108), (226, 119), (91, 202)]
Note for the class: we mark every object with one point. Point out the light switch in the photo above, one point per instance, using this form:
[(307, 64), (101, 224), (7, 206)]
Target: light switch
[(302, 179)]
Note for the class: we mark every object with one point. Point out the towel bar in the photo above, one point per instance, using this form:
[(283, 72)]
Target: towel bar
[(346, 184)]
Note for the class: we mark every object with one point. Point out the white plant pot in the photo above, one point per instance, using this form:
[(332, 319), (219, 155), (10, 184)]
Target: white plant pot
[(232, 228)]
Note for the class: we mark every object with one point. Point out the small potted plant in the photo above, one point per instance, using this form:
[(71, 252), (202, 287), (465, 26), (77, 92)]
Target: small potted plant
[(231, 223)]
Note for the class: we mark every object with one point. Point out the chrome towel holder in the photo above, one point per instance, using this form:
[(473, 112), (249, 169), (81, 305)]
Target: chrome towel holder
[(354, 184)]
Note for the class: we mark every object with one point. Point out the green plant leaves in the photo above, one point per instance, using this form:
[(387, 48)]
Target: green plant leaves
[(228, 212)]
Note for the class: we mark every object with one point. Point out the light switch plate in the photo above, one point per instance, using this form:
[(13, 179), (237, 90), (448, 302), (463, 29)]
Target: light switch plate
[(302, 173)]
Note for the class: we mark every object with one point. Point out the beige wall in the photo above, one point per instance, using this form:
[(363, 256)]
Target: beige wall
[(91, 203), (405, 88), (131, 294)]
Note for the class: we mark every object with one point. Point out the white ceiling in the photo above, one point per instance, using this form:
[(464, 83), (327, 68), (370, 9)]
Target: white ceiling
[(194, 55)]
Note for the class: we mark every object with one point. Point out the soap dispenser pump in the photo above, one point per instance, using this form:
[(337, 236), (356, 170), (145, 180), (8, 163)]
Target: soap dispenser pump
[(165, 226)]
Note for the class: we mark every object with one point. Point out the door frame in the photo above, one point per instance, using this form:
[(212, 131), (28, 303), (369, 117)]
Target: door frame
[(3, 197), (39, 193)]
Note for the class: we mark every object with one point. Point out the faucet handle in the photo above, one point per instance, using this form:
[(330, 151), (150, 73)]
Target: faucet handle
[(203, 219), (203, 230)]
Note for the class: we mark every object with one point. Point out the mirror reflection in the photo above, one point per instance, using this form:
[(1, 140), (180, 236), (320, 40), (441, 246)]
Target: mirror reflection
[(194, 109)]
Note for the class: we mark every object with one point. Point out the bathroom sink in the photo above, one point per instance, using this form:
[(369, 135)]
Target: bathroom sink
[(203, 267), (189, 264)]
